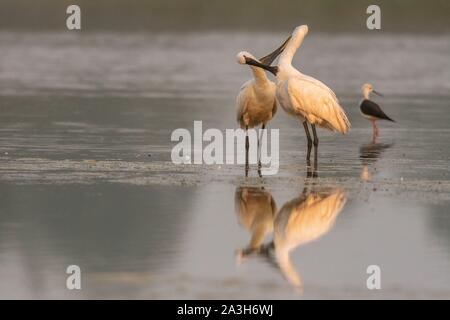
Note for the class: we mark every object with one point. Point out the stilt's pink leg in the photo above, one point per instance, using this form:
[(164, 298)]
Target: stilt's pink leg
[(375, 129)]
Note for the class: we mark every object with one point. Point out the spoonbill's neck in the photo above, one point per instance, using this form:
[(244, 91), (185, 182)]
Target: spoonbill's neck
[(287, 71), (259, 74), (287, 268), (258, 236), (292, 47)]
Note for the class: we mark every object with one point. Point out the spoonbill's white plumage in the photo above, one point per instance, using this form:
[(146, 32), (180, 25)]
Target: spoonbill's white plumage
[(302, 220), (256, 104), (370, 110), (304, 97), (256, 210)]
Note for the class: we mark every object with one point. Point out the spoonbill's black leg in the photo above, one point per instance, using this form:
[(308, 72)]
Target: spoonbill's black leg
[(260, 136), (316, 145), (247, 146), (308, 136)]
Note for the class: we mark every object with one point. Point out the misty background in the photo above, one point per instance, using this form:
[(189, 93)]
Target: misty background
[(327, 15)]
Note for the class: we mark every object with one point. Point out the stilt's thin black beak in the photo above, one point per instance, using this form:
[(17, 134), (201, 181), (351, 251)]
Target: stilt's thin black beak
[(272, 56), (377, 93), (253, 62)]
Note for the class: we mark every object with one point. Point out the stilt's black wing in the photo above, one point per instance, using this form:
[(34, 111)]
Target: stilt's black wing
[(372, 109)]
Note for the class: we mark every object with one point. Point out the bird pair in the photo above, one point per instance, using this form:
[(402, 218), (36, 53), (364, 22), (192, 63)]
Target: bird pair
[(301, 96)]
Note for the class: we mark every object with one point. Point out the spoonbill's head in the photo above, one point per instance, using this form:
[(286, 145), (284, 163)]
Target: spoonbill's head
[(243, 56), (265, 62), (368, 88), (298, 35), (300, 31)]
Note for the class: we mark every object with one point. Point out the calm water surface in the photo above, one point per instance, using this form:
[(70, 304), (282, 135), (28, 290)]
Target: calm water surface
[(86, 177)]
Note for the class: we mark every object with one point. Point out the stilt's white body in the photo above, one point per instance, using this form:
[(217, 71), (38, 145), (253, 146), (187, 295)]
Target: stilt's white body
[(255, 103), (303, 96)]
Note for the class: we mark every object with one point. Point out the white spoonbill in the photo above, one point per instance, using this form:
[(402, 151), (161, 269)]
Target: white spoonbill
[(370, 110), (302, 220), (304, 97), (256, 210), (256, 104)]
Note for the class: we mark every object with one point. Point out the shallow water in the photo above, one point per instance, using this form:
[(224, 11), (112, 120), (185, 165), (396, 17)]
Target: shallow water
[(86, 176)]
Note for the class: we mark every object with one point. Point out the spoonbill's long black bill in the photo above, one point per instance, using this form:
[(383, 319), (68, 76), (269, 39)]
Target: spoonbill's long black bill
[(253, 62), (267, 60)]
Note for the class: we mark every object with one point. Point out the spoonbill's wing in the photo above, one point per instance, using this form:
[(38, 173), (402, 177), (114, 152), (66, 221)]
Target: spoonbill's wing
[(317, 103), (308, 217)]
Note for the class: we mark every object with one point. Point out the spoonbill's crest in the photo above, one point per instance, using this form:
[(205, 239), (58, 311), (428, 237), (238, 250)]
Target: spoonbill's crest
[(300, 30), (298, 35), (241, 57)]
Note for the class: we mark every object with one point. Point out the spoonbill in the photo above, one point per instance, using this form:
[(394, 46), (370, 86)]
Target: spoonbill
[(256, 104), (256, 210), (370, 110), (303, 220), (305, 97)]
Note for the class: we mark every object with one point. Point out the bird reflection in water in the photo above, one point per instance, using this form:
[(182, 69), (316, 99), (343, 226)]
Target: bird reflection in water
[(369, 154), (303, 219), (256, 210)]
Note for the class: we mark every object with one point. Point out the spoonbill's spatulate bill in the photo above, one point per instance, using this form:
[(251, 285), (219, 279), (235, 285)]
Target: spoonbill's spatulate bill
[(370, 110), (256, 104), (304, 97)]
